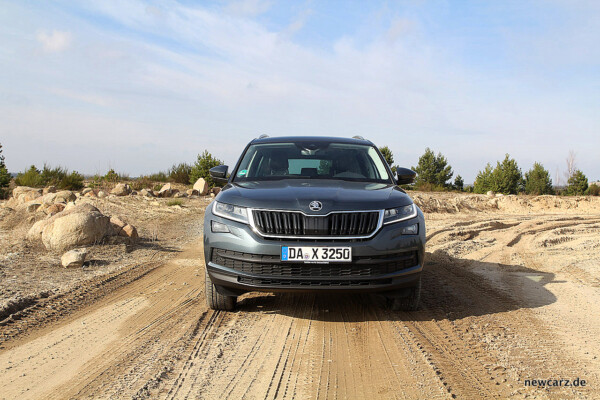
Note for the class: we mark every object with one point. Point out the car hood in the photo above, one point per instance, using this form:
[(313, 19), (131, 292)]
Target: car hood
[(335, 195)]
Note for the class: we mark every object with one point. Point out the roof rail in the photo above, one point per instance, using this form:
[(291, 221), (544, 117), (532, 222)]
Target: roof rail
[(264, 135), (358, 137)]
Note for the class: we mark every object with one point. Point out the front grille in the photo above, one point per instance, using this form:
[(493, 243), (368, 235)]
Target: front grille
[(293, 223), (272, 267), (325, 283)]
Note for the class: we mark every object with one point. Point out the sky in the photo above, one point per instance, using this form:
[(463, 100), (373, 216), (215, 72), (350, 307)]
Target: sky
[(141, 85)]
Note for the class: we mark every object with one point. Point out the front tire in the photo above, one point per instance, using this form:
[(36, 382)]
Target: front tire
[(409, 302), (216, 300)]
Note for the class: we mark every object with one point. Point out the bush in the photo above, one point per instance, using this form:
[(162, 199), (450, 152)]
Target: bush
[(73, 181), (158, 177), (4, 177), (505, 178), (201, 167), (537, 180), (114, 177), (59, 177), (174, 202), (433, 170), (577, 184), (180, 173), (30, 177), (459, 184), (593, 190)]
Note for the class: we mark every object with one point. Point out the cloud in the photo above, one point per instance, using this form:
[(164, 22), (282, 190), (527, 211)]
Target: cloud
[(55, 41), (248, 8)]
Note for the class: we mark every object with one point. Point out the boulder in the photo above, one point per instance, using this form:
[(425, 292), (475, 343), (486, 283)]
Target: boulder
[(49, 189), (129, 231), (81, 225), (117, 224), (179, 195), (74, 258), (147, 193), (216, 190), (122, 189), (102, 194), (64, 196), (86, 191), (201, 186), (165, 191), (192, 192), (491, 194), (21, 190), (212, 194)]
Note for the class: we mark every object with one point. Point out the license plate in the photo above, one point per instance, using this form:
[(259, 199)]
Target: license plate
[(316, 254)]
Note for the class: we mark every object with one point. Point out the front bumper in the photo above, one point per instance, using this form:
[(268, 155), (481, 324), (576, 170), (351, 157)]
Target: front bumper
[(243, 261)]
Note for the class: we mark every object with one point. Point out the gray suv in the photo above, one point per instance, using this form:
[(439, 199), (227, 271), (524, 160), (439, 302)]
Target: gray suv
[(320, 214)]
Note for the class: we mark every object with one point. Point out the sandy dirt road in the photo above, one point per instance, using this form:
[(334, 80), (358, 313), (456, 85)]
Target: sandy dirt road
[(505, 298)]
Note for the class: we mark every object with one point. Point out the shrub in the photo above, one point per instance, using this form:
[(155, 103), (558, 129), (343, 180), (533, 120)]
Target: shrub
[(433, 170), (593, 190), (174, 202), (201, 167), (157, 187), (73, 181), (459, 184), (30, 177), (58, 176), (505, 178), (537, 180), (4, 177), (577, 184), (158, 177), (114, 177), (180, 173)]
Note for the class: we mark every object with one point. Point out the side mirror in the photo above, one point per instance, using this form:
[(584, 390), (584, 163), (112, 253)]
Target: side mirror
[(219, 173), (405, 176)]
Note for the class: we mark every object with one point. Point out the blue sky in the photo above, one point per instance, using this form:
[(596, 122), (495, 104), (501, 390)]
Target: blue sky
[(140, 85)]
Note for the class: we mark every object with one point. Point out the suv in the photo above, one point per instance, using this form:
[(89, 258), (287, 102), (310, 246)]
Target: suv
[(320, 214)]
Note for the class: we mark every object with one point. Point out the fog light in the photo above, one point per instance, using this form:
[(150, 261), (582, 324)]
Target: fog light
[(410, 229), (218, 227)]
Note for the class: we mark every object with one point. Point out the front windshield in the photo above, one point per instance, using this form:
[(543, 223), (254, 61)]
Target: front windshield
[(343, 161)]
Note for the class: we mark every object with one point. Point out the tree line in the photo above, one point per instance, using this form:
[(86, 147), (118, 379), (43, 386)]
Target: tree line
[(434, 173)]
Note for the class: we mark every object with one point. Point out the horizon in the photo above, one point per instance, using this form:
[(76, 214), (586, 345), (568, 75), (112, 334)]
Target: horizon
[(139, 86)]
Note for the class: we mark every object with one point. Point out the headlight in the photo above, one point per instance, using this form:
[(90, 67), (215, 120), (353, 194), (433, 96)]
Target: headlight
[(399, 214), (229, 211)]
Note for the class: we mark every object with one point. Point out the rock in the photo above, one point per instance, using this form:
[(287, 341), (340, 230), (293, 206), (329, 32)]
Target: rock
[(55, 209), (129, 231), (74, 258), (192, 192), (499, 195), (91, 193), (49, 189), (491, 194), (201, 186), (122, 189), (212, 194), (179, 195), (86, 191), (81, 225), (33, 207), (165, 191), (64, 196), (147, 193), (21, 190), (102, 194), (216, 190), (117, 224)]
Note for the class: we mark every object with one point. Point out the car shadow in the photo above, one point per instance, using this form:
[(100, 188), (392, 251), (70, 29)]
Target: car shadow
[(452, 288)]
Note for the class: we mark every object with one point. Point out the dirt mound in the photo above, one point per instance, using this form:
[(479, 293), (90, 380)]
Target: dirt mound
[(473, 203)]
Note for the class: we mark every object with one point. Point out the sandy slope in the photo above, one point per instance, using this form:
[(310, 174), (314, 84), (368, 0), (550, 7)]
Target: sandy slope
[(507, 296)]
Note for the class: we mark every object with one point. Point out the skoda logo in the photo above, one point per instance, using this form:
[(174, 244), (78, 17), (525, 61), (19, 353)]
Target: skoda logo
[(315, 205)]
